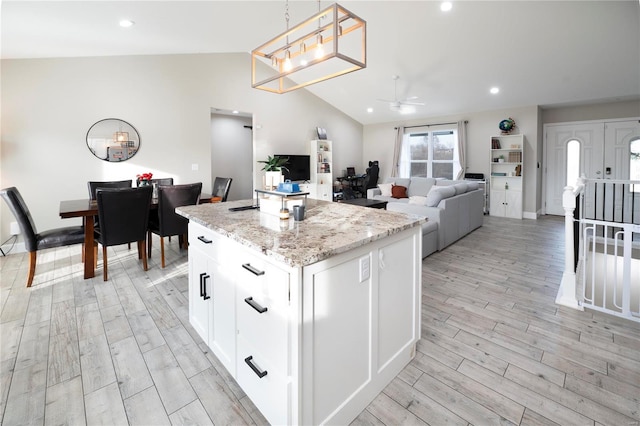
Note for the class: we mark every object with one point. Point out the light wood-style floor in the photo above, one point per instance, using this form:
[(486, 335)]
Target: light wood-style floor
[(495, 349)]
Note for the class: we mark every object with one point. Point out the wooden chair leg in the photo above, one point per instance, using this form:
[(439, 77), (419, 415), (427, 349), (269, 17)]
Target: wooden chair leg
[(104, 263), (185, 241), (95, 256), (162, 250), (149, 237), (32, 268), (142, 247)]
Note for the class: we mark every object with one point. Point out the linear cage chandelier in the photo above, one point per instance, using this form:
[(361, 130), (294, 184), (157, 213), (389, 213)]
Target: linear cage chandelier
[(331, 43)]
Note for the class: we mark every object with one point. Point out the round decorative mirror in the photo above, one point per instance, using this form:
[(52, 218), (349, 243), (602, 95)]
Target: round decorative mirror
[(113, 140)]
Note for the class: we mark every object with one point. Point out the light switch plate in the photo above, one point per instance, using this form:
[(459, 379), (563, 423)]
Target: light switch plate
[(194, 167)]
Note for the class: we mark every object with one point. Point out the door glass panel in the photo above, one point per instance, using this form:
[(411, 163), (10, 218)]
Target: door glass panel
[(573, 162)]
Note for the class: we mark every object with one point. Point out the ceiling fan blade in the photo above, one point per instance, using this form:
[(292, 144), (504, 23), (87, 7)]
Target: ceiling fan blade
[(385, 100), (412, 103)]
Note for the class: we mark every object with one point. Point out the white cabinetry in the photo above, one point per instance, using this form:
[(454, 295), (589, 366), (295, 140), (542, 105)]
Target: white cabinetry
[(314, 344), (506, 177), (212, 295), (321, 186)]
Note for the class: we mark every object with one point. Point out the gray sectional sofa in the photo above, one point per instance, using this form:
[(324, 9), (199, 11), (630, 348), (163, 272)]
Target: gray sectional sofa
[(453, 208)]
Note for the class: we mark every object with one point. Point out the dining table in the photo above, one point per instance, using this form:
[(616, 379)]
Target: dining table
[(87, 210)]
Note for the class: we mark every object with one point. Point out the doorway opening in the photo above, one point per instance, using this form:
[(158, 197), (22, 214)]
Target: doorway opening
[(232, 151)]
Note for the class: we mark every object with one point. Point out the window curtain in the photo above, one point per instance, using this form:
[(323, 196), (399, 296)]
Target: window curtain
[(462, 143), (397, 150)]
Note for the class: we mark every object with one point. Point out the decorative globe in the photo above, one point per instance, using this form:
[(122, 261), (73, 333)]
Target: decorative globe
[(507, 125)]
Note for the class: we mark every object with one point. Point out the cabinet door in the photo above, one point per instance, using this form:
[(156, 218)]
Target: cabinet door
[(513, 206), (498, 200), (222, 328), (199, 306)]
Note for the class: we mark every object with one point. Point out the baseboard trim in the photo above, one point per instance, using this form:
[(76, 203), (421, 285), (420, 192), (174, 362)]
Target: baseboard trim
[(530, 215)]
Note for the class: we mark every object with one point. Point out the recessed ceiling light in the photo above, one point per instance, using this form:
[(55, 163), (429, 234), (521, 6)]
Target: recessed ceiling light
[(369, 109), (446, 6), (235, 112), (494, 90), (126, 23)]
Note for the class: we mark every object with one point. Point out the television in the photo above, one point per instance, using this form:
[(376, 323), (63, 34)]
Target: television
[(299, 168)]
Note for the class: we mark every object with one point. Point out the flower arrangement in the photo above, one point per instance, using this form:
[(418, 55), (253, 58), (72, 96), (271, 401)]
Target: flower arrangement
[(144, 179)]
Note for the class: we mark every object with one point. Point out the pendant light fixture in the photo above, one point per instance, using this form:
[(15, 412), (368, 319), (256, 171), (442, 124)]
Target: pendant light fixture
[(331, 43)]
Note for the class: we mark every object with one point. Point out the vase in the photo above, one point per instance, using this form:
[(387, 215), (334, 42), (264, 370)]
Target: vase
[(143, 182), (272, 179)]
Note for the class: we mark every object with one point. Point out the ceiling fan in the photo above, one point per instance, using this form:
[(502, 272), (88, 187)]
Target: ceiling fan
[(401, 105)]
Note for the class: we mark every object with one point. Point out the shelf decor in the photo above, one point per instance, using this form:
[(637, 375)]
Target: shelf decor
[(507, 125)]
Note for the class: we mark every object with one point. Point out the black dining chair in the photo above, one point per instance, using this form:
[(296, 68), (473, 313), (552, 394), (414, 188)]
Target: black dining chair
[(221, 188), (169, 222), (93, 187), (124, 218), (34, 240)]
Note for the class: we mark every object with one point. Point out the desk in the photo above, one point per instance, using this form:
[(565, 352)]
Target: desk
[(356, 183), (87, 209)]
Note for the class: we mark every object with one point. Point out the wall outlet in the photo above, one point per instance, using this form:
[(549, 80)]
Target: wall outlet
[(14, 228), (194, 167), (365, 268)]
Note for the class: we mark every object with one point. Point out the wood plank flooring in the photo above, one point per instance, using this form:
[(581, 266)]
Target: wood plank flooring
[(495, 349)]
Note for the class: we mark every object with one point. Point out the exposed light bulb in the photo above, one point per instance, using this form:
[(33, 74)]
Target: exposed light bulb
[(494, 90), (287, 61), (446, 6), (319, 48)]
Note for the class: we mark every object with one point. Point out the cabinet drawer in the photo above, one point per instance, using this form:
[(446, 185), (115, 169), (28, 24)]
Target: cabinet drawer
[(267, 388), (205, 240), (261, 277), (264, 323)]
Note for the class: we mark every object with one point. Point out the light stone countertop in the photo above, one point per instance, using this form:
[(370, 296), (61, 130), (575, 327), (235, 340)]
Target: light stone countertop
[(328, 228)]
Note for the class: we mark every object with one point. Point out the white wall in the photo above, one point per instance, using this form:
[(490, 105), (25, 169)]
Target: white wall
[(49, 104)]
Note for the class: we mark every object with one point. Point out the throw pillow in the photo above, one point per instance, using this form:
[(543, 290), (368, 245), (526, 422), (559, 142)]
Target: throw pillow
[(385, 189), (472, 186), (418, 199), (399, 191)]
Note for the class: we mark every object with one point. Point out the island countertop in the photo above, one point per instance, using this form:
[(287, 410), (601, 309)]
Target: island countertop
[(328, 228)]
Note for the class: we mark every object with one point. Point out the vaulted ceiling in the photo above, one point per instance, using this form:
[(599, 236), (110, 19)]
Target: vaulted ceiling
[(536, 52)]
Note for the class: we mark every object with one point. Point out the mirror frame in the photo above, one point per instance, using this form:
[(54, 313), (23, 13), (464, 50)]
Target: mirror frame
[(113, 140)]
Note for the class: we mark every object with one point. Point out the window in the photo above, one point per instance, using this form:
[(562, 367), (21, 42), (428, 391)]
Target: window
[(430, 154), (573, 162)]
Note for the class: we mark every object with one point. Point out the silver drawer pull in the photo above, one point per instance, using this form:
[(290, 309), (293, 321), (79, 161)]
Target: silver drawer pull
[(255, 369), (255, 305), (204, 240), (251, 269)]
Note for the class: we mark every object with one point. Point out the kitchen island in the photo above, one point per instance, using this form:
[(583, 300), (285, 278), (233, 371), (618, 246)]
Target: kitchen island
[(312, 318)]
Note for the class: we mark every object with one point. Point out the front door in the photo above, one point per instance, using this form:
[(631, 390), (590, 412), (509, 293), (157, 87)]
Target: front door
[(599, 150)]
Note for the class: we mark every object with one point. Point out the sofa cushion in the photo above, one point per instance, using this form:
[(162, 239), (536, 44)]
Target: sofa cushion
[(439, 193), (418, 199), (385, 189), (420, 186), (399, 191), (461, 188), (472, 186)]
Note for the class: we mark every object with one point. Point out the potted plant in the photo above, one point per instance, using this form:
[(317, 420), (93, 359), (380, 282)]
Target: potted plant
[(501, 159), (273, 167)]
